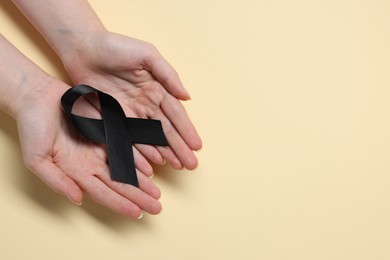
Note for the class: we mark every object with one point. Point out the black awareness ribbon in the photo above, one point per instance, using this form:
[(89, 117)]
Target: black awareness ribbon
[(115, 130)]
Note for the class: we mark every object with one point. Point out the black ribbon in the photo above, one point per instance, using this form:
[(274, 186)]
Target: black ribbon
[(115, 130)]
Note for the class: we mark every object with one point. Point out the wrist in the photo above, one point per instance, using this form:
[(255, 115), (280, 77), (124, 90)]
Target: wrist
[(70, 24), (20, 78), (71, 43), (25, 89)]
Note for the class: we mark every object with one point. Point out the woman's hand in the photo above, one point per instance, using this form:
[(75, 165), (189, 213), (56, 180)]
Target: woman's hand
[(68, 163), (145, 84)]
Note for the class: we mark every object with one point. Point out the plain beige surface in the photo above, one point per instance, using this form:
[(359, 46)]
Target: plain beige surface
[(292, 99)]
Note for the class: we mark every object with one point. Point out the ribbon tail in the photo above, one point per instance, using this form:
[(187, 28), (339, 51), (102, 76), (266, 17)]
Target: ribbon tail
[(119, 143)]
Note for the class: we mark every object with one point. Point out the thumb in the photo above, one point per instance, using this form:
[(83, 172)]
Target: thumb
[(57, 180), (166, 74)]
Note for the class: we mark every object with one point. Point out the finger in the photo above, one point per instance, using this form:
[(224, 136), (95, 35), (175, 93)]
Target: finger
[(144, 197), (170, 157), (148, 186), (177, 114), (179, 147), (151, 153), (166, 75), (104, 195), (57, 180), (142, 164)]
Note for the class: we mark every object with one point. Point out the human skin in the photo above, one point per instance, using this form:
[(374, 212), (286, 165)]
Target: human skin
[(123, 67), (51, 149)]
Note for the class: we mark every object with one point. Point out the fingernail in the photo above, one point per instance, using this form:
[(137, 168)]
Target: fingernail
[(75, 202), (151, 176), (163, 162), (187, 92), (140, 216)]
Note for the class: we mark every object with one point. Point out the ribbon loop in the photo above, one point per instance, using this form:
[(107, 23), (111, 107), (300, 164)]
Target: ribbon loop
[(115, 130)]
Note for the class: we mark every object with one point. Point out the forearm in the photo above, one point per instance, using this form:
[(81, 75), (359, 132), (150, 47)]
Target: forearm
[(64, 24), (20, 77)]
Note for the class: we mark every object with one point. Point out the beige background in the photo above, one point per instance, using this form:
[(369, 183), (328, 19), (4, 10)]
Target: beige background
[(292, 100)]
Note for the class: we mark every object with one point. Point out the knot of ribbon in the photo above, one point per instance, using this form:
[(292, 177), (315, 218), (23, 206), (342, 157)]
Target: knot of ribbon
[(115, 130)]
